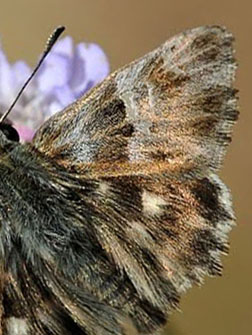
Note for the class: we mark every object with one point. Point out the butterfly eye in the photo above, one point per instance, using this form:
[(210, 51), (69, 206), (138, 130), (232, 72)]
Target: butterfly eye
[(10, 132)]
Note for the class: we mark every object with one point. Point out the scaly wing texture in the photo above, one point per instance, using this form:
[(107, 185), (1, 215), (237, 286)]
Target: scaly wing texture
[(139, 155), (170, 111)]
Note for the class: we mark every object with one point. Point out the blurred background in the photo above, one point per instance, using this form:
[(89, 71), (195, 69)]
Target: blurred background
[(129, 29)]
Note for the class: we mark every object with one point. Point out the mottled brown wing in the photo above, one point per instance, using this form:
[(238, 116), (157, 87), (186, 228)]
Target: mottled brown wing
[(140, 152), (171, 110)]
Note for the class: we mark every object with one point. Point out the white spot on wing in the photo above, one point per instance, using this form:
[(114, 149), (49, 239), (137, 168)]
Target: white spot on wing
[(152, 203), (103, 188), (17, 326)]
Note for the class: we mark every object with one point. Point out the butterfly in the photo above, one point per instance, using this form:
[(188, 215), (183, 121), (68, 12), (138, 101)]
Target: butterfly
[(115, 208)]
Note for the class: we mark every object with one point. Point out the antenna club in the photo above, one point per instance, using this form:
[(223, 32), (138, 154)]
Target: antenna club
[(54, 36), (50, 43)]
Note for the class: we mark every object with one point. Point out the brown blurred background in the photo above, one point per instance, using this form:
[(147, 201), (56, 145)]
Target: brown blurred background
[(126, 30)]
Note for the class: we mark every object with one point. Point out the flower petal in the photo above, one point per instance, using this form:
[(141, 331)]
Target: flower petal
[(22, 72), (90, 66), (54, 73), (97, 66), (7, 91), (57, 67), (64, 96), (26, 134), (53, 108), (64, 47)]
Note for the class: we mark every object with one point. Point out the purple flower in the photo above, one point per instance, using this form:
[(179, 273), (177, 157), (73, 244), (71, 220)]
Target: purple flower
[(66, 74)]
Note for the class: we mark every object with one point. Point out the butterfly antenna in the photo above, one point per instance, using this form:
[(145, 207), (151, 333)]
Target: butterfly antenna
[(49, 44)]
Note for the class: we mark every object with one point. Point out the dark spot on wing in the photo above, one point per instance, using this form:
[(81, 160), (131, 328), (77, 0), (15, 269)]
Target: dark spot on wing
[(156, 316), (173, 47), (211, 101), (61, 322), (164, 78), (106, 116), (128, 196), (113, 113), (208, 37), (203, 243), (159, 155), (126, 131), (207, 194), (203, 126)]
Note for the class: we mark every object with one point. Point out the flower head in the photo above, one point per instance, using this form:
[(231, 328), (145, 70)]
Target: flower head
[(67, 73)]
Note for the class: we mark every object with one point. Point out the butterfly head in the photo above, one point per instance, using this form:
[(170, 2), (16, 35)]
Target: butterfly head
[(9, 131), (9, 138)]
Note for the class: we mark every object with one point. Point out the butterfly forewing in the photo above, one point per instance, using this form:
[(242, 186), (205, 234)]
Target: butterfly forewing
[(172, 111)]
